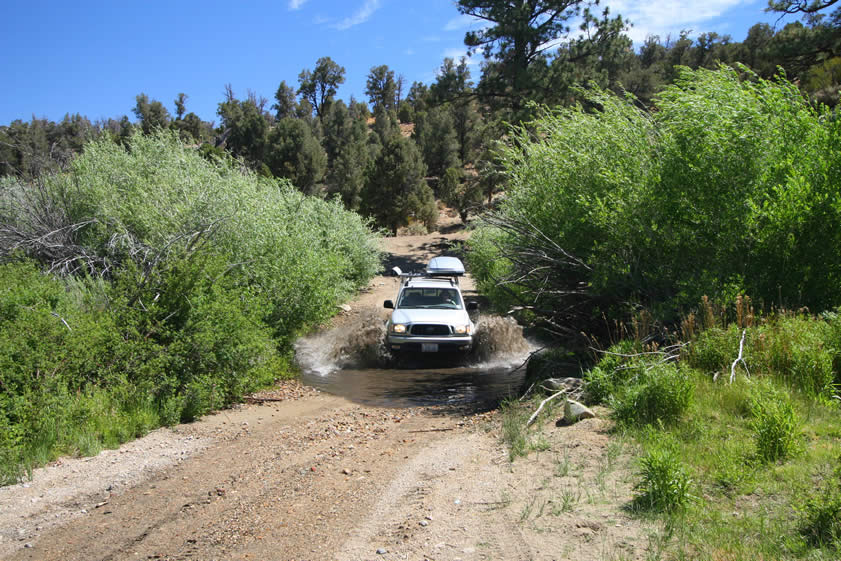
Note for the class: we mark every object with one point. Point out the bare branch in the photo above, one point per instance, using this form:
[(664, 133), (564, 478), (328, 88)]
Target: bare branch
[(738, 359), (542, 403)]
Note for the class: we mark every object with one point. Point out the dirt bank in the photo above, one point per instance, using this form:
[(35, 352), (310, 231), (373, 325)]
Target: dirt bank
[(297, 474)]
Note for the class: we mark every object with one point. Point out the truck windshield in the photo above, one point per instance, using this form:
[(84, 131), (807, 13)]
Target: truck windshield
[(431, 298)]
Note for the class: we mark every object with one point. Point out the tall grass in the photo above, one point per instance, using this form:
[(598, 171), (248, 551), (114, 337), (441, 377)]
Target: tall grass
[(664, 484), (749, 468), (799, 350)]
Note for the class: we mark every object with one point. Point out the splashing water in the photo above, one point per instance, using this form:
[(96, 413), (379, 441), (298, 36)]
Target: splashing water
[(499, 340), (360, 344), (353, 361)]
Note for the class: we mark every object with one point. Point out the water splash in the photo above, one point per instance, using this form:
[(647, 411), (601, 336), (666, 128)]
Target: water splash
[(352, 361), (360, 343), (499, 340)]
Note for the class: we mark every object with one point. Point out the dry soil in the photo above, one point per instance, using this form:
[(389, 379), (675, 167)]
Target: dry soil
[(295, 474)]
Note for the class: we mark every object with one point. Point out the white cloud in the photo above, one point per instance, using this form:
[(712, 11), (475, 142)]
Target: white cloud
[(296, 4), (361, 16), (667, 17), (457, 53), (462, 22)]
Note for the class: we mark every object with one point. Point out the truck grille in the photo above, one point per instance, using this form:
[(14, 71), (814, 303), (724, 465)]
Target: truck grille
[(430, 329)]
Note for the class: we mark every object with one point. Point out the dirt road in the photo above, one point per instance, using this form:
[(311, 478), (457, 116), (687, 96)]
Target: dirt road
[(302, 475)]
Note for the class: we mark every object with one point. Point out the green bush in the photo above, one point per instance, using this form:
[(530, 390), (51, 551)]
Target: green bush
[(612, 372), (77, 378), (798, 351), (774, 423), (664, 484), (820, 521), (728, 186), (820, 514), (655, 393), (714, 349), (186, 282), (801, 351), (486, 267), (158, 199)]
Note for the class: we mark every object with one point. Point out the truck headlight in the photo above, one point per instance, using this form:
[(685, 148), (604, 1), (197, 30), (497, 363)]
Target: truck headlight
[(398, 328), (462, 330)]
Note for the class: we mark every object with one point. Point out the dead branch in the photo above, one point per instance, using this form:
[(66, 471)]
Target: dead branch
[(542, 403), (528, 391), (62, 321), (262, 399), (739, 359), (664, 351), (433, 430)]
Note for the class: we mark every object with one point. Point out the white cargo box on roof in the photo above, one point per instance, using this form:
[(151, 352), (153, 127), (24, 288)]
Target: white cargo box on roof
[(445, 266)]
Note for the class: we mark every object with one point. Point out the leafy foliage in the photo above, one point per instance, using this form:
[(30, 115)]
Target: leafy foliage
[(395, 189), (319, 86), (799, 351), (728, 187), (185, 283), (664, 484), (653, 393), (774, 424), (612, 372)]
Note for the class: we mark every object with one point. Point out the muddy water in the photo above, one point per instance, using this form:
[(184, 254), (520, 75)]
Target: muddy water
[(353, 362)]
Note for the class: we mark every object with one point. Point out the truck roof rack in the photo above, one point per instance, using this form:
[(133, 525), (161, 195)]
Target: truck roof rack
[(445, 268)]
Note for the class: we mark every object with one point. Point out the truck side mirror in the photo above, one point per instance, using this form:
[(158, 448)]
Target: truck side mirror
[(388, 304), (472, 306)]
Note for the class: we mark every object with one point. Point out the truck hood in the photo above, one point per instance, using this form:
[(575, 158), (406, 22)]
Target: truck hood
[(448, 317)]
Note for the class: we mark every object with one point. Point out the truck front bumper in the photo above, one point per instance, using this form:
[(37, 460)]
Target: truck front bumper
[(428, 344)]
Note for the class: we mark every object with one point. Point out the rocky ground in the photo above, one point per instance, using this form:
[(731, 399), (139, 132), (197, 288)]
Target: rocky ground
[(295, 474)]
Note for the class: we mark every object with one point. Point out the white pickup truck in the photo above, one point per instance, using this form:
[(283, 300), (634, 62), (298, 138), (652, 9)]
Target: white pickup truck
[(430, 314)]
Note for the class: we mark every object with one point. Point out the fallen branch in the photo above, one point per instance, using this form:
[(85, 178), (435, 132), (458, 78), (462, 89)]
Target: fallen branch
[(62, 321), (432, 430), (739, 359), (573, 393), (528, 391), (263, 399), (542, 403)]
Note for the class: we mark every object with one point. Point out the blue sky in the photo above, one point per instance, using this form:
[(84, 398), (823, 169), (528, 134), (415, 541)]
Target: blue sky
[(94, 57)]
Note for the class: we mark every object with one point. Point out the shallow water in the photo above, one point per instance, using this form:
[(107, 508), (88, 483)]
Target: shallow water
[(353, 362)]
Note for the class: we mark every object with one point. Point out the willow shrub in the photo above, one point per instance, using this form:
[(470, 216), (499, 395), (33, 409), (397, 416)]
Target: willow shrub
[(77, 377), (147, 202), (211, 272), (730, 183)]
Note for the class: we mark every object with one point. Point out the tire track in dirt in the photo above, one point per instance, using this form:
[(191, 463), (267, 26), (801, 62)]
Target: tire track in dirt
[(315, 477)]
